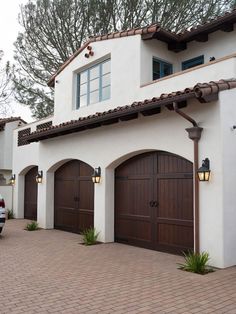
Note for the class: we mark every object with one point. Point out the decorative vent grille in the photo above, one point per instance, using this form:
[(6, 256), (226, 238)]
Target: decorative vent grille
[(21, 135), (44, 125)]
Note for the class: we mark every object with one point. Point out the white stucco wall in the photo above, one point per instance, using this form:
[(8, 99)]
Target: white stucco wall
[(6, 144), (165, 131), (228, 149), (108, 146), (156, 48), (134, 66), (24, 158), (125, 73)]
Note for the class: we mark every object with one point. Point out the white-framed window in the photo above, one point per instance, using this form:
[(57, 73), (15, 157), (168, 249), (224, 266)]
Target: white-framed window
[(94, 84)]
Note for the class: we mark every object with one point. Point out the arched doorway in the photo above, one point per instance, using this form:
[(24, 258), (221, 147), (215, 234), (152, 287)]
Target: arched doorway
[(31, 194), (154, 202), (74, 197)]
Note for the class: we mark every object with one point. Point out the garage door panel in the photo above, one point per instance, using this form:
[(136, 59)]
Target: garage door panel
[(85, 170), (133, 197), (31, 194), (86, 194), (174, 235), (65, 198), (85, 219), (139, 166), (131, 230), (175, 198), (65, 219), (69, 171), (154, 204), (168, 163), (74, 197)]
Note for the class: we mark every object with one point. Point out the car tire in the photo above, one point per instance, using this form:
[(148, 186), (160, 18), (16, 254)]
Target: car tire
[(0, 229)]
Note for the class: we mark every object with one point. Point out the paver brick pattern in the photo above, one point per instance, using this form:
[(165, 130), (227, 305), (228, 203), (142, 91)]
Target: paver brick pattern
[(49, 271)]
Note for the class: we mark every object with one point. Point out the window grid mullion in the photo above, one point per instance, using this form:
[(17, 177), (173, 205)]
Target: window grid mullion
[(88, 87), (88, 83), (78, 94), (100, 82)]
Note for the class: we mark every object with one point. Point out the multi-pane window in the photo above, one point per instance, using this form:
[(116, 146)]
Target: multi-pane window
[(160, 68), (94, 84), (192, 62)]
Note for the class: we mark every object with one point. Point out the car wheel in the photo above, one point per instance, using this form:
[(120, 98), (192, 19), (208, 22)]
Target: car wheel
[(0, 229)]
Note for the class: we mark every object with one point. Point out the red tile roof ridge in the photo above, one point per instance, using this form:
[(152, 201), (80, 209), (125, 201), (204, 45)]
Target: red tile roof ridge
[(152, 28), (199, 90), (10, 119)]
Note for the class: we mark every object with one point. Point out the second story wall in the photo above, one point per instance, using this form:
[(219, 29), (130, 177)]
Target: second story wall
[(124, 54), (219, 44), (131, 70)]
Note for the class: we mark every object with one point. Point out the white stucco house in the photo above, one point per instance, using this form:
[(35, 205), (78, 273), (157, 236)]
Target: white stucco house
[(7, 126), (131, 106)]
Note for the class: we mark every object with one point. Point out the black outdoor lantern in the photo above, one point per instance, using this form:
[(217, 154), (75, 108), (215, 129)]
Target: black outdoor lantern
[(96, 176), (204, 171), (39, 177), (13, 179)]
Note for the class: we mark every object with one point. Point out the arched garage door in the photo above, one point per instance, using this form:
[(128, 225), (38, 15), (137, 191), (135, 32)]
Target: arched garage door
[(31, 194), (154, 202), (74, 197)]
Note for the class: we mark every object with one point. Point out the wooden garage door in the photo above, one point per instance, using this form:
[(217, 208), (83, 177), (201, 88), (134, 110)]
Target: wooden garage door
[(31, 194), (74, 197), (154, 202)]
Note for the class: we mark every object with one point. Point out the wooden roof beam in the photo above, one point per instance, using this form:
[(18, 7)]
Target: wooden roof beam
[(228, 27), (177, 46)]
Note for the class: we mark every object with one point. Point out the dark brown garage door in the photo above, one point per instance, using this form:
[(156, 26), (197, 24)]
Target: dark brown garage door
[(31, 194), (154, 202), (74, 197)]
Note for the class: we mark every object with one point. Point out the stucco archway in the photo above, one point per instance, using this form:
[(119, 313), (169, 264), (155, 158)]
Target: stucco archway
[(20, 193), (73, 197), (60, 181), (154, 202), (105, 200)]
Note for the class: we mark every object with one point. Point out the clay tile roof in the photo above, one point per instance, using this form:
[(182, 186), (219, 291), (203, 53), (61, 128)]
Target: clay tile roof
[(163, 34), (3, 121), (123, 113)]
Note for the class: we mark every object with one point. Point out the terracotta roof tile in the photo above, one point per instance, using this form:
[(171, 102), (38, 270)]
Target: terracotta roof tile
[(183, 36), (3, 121), (199, 91)]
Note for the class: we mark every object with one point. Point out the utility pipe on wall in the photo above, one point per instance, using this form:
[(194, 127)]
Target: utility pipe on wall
[(194, 134)]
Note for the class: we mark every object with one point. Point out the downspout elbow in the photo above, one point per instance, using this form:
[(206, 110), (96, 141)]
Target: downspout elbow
[(184, 115)]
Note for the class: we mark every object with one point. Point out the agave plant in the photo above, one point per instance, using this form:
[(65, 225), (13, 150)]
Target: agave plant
[(196, 263), (90, 236), (32, 226), (10, 214)]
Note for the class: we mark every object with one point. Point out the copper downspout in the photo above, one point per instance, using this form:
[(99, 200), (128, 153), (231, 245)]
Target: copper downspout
[(194, 134)]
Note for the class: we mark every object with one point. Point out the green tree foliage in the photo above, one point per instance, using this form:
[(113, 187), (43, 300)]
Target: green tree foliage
[(54, 29), (5, 87)]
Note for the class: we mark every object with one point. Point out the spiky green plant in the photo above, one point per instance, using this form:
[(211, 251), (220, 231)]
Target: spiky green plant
[(90, 236), (10, 214), (32, 226), (196, 262)]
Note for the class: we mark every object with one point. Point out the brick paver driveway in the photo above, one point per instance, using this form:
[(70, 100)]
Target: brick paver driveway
[(48, 271)]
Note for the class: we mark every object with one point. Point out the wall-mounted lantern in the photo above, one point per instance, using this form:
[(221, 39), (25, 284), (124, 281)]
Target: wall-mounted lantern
[(39, 177), (96, 176), (13, 179), (204, 171)]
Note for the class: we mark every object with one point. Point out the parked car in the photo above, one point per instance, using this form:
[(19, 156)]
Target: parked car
[(2, 213)]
